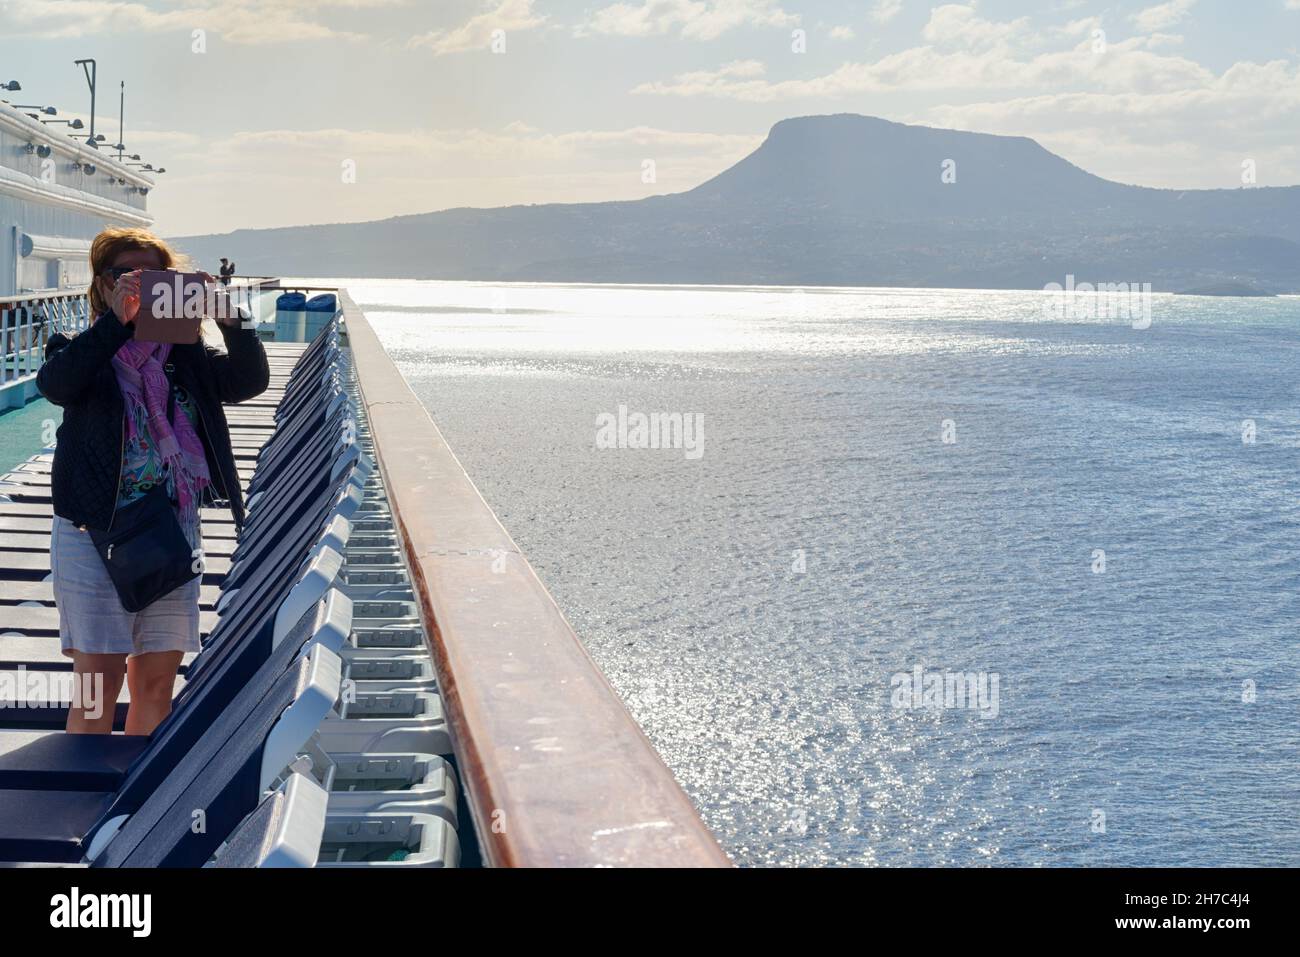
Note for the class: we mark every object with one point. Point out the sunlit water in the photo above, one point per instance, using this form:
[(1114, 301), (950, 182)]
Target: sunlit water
[(752, 605)]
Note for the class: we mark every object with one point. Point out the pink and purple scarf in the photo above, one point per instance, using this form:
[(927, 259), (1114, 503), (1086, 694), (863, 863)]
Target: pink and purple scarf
[(139, 368)]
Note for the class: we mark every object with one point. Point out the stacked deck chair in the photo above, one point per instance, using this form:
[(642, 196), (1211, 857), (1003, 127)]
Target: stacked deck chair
[(268, 675)]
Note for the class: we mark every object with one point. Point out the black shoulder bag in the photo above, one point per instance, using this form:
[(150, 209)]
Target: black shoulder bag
[(145, 551)]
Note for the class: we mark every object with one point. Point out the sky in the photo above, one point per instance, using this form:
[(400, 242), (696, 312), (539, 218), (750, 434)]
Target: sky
[(287, 112)]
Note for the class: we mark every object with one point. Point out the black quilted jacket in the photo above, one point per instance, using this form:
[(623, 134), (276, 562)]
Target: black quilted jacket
[(78, 375)]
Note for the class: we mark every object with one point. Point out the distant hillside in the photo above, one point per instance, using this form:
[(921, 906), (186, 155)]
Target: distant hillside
[(834, 200)]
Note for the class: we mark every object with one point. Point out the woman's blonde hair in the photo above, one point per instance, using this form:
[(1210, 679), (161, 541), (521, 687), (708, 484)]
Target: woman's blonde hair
[(114, 241)]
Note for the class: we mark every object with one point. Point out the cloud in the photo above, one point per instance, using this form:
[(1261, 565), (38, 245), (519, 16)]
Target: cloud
[(1139, 112), (693, 19), (238, 21), (78, 18), (269, 172), (509, 144), (512, 16), (740, 80), (986, 56), (956, 25), (1159, 138), (843, 33), (1162, 16), (885, 10)]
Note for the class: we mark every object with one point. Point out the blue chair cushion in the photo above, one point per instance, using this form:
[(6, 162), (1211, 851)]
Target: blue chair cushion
[(47, 825), (36, 761)]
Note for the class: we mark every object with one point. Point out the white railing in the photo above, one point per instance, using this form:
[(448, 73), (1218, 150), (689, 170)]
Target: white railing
[(27, 321), (26, 324)]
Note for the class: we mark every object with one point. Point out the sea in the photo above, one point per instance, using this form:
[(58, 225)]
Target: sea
[(908, 577)]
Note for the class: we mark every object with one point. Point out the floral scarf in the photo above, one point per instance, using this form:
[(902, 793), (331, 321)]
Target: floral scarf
[(140, 374)]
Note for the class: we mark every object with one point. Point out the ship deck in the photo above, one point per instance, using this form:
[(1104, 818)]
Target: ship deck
[(486, 724)]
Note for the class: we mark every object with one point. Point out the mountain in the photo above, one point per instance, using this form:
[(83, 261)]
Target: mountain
[(833, 200)]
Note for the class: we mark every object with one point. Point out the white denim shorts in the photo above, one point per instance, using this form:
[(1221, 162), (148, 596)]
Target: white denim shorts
[(91, 617)]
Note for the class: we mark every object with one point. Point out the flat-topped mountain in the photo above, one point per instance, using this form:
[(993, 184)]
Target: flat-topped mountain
[(836, 200)]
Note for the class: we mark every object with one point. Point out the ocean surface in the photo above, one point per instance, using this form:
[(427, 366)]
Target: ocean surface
[(884, 486)]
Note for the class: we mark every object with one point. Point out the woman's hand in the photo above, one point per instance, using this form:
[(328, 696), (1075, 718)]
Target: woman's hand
[(125, 299), (217, 304)]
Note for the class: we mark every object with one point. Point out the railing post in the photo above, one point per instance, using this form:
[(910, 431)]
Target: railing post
[(4, 344), (14, 354), (25, 343)]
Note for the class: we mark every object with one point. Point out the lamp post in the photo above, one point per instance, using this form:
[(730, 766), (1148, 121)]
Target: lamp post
[(121, 121), (91, 69)]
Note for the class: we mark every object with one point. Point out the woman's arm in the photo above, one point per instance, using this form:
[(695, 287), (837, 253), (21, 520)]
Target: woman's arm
[(71, 364), (242, 371)]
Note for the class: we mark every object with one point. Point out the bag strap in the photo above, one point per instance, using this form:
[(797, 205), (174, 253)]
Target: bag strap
[(168, 369)]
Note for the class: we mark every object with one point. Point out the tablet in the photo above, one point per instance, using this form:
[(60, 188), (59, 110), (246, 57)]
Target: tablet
[(171, 306)]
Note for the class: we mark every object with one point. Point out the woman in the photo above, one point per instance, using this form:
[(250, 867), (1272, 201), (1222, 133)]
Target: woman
[(115, 443)]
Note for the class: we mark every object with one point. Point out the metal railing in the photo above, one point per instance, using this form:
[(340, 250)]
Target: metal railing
[(26, 324), (27, 321), (556, 771)]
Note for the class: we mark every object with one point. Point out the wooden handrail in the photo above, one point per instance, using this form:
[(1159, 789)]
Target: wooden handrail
[(556, 771)]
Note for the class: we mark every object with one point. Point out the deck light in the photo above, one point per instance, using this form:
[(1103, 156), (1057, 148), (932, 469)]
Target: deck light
[(13, 86), (47, 110)]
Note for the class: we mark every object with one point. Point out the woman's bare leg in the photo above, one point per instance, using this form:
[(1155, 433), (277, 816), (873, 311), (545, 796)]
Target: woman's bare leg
[(151, 678), (99, 682)]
